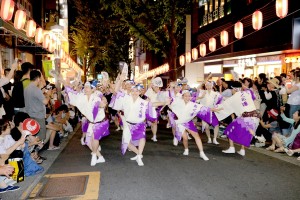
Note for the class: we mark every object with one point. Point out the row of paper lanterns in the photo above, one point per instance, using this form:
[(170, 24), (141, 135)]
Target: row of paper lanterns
[(159, 70), (257, 22), (47, 40)]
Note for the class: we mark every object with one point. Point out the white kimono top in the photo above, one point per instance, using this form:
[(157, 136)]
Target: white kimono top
[(90, 108)]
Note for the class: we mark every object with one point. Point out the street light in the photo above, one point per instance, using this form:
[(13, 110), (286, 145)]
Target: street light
[(145, 69)]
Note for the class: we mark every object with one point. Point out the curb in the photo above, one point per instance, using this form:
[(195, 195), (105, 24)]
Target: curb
[(52, 159)]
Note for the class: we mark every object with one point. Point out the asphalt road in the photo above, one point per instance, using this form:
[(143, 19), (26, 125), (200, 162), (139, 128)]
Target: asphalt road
[(168, 175)]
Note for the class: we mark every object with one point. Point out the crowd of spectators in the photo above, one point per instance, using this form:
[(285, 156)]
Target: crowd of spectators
[(29, 96)]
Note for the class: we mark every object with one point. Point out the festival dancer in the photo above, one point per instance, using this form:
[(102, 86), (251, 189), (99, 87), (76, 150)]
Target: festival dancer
[(157, 98), (136, 111), (175, 91), (210, 99), (92, 106), (243, 128), (185, 111)]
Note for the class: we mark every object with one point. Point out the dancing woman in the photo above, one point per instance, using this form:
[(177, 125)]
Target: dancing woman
[(243, 128), (92, 106), (185, 111), (136, 110)]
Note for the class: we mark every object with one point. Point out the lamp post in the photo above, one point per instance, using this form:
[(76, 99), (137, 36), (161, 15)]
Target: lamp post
[(57, 31), (145, 69)]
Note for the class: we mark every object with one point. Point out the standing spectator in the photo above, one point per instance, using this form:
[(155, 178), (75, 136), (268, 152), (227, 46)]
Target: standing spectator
[(7, 103), (19, 87), (294, 91), (35, 101)]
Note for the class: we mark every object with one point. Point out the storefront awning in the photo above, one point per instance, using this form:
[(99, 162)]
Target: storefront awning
[(22, 41)]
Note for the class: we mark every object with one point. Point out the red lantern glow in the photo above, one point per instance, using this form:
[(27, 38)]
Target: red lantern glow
[(212, 44), (30, 28), (46, 41), (7, 9), (224, 38), (188, 57), (257, 20), (181, 60), (202, 49), (20, 19), (39, 35), (194, 53), (281, 8), (238, 30)]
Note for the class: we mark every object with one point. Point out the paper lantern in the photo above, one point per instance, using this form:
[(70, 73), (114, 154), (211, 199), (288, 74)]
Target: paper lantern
[(212, 44), (188, 57), (30, 28), (238, 30), (39, 35), (20, 19), (257, 20), (7, 9), (202, 49), (281, 8), (52, 46), (194, 53), (224, 38), (46, 41), (181, 60)]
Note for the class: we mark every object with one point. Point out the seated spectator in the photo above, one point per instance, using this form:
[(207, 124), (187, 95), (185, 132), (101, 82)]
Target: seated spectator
[(30, 166), (7, 146), (281, 141), (52, 130), (34, 143)]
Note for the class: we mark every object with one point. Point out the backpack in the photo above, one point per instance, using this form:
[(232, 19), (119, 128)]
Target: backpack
[(18, 94)]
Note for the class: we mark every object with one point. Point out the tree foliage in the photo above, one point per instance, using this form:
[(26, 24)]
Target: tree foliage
[(159, 23), (98, 36)]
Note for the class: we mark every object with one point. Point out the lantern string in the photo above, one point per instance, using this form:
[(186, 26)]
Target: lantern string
[(271, 23)]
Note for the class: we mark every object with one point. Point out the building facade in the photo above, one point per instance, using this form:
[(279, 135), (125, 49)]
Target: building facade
[(273, 49)]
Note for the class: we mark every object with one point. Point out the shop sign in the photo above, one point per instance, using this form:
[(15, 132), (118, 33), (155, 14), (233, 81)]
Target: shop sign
[(268, 58), (246, 62)]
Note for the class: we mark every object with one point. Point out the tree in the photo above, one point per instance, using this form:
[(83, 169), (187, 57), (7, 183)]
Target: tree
[(89, 35), (159, 23), (98, 36)]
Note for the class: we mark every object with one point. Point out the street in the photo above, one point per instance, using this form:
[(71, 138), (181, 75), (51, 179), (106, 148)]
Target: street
[(168, 174)]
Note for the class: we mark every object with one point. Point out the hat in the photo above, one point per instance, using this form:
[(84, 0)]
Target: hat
[(157, 82), (275, 82), (273, 113), (30, 126)]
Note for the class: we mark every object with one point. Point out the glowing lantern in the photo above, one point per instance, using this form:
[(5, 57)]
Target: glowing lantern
[(39, 35), (202, 49), (281, 8), (238, 30), (181, 60), (188, 57), (7, 9), (194, 53), (46, 41), (52, 45), (257, 20), (20, 19), (212, 44), (30, 28), (224, 38)]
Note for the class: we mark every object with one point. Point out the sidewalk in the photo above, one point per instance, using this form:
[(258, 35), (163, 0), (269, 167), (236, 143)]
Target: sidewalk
[(262, 150), (27, 186)]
